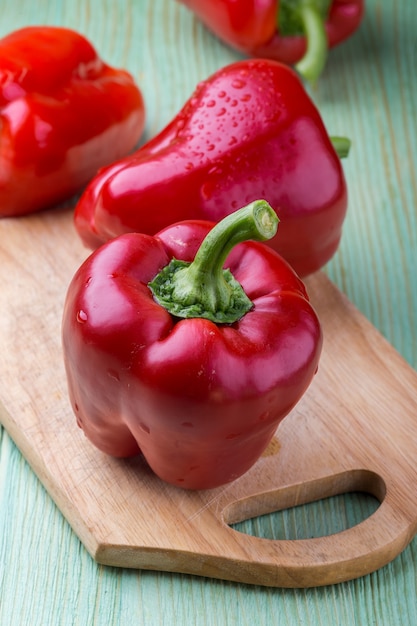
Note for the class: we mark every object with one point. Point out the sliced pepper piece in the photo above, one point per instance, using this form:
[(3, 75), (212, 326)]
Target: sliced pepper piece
[(296, 32), (64, 113), (190, 346), (249, 131)]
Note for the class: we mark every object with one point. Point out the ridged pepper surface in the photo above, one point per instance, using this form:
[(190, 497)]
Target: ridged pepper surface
[(189, 346), (296, 32), (249, 131), (64, 113)]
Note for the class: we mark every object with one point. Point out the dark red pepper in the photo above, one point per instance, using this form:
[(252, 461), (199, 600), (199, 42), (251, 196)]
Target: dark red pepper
[(194, 365), (64, 113), (250, 131), (291, 31)]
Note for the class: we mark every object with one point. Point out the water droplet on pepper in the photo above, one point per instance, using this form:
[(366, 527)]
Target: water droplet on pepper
[(238, 83), (81, 316), (207, 190)]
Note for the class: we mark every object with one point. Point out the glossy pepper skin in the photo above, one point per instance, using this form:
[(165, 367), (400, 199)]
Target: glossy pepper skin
[(64, 113), (200, 399), (249, 131), (291, 31)]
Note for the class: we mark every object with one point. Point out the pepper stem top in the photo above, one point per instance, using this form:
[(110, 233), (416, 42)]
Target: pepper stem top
[(204, 288), (341, 145)]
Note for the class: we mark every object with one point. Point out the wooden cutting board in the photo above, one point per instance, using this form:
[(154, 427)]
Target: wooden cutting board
[(354, 430)]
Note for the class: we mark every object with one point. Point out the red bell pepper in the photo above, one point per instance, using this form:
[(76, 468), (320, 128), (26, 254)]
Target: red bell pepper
[(64, 114), (249, 131), (194, 365), (291, 31)]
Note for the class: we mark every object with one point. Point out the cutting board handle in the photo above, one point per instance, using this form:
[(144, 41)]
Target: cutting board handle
[(330, 559)]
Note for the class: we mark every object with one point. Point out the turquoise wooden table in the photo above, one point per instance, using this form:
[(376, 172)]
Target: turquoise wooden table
[(368, 92)]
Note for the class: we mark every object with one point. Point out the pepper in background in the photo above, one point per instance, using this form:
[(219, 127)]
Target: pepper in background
[(249, 131), (296, 32), (188, 347), (64, 114)]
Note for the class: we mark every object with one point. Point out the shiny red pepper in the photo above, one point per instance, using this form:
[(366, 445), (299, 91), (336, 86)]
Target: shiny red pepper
[(292, 31), (64, 114), (249, 131), (194, 365)]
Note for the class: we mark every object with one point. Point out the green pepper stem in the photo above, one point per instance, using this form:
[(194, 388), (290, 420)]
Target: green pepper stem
[(306, 18), (204, 288), (314, 60), (341, 145)]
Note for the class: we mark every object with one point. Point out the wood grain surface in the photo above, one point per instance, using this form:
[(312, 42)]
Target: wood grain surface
[(368, 93), (354, 430)]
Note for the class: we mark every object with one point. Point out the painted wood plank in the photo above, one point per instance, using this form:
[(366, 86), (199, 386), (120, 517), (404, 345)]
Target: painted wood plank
[(46, 576), (353, 430)]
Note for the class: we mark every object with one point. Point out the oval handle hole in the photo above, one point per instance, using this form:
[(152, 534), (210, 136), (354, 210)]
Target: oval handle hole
[(317, 508), (314, 519)]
